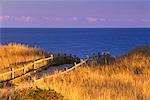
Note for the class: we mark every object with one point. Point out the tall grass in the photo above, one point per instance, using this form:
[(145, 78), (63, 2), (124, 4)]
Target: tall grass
[(128, 78), (100, 84), (15, 53)]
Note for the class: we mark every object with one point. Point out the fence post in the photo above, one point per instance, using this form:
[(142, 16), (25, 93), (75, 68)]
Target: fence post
[(81, 60), (33, 65), (52, 58), (12, 72), (66, 68), (75, 63), (105, 59), (24, 70)]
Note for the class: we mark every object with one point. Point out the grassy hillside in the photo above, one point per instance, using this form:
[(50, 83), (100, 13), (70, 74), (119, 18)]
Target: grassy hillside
[(128, 78), (15, 54)]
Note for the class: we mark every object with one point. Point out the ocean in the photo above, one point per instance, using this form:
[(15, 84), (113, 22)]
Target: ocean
[(78, 41)]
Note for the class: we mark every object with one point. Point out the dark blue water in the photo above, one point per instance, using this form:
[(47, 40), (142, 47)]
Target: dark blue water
[(80, 42)]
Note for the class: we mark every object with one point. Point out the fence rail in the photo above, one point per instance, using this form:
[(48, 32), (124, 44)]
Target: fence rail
[(64, 72), (13, 73)]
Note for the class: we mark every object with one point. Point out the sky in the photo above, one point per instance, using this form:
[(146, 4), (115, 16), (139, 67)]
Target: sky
[(75, 13)]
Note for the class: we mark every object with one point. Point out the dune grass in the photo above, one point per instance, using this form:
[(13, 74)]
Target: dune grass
[(88, 83), (128, 78), (13, 54)]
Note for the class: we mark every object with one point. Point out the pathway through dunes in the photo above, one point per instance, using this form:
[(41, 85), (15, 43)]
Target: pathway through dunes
[(22, 70), (39, 68), (51, 70), (39, 76)]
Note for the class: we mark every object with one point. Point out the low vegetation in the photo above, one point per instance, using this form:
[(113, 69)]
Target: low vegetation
[(145, 51), (128, 78), (12, 54), (32, 94)]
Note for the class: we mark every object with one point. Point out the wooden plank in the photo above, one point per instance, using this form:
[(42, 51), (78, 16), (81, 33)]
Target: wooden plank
[(18, 69)]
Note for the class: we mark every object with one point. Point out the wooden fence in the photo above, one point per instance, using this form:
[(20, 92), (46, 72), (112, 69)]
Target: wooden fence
[(82, 62), (36, 81), (14, 73)]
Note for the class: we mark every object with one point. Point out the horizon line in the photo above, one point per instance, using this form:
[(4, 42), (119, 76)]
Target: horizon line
[(75, 27)]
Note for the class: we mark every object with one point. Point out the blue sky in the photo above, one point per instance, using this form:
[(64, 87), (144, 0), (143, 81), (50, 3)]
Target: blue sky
[(75, 13)]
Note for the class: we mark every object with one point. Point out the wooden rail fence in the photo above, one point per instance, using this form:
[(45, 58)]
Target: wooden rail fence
[(82, 62), (36, 81), (13, 73)]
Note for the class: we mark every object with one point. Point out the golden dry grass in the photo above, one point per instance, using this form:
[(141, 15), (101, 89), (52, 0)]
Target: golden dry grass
[(127, 79), (15, 53)]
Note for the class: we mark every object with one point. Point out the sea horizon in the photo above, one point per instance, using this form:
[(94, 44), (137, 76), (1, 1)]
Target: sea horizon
[(117, 41)]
